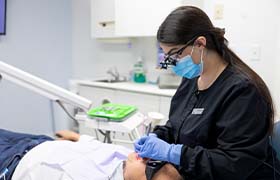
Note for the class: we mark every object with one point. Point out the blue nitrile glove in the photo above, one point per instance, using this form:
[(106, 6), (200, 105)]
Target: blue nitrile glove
[(141, 141), (157, 149)]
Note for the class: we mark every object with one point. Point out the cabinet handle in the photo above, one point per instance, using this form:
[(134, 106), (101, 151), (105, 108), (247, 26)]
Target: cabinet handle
[(106, 23)]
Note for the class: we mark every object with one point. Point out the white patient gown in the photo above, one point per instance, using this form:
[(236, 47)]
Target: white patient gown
[(86, 159)]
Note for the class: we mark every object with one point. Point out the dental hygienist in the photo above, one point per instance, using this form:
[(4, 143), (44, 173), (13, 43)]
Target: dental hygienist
[(222, 114)]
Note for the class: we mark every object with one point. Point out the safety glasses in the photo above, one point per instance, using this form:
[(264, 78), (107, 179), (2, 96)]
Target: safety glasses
[(171, 58)]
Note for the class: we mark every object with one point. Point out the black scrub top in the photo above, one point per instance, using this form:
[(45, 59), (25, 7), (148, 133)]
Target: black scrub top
[(224, 130)]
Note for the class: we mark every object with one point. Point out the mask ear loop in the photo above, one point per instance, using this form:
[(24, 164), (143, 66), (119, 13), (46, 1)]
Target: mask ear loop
[(201, 61), (192, 50)]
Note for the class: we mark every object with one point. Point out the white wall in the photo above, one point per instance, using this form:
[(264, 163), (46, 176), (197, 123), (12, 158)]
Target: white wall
[(38, 40), (253, 23), (92, 58)]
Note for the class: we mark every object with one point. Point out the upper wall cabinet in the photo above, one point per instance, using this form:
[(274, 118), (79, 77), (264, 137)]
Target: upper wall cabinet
[(142, 17), (103, 18), (131, 18)]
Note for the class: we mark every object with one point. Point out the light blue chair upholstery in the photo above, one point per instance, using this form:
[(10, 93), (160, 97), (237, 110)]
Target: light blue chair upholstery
[(276, 138)]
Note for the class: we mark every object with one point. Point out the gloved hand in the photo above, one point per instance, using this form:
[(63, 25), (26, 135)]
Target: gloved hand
[(141, 141), (157, 149)]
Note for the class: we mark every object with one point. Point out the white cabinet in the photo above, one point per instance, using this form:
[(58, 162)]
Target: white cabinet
[(131, 18), (102, 18), (144, 102), (142, 17), (97, 95), (164, 107)]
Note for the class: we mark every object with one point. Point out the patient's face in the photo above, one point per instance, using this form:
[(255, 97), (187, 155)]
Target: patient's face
[(135, 167), (135, 170)]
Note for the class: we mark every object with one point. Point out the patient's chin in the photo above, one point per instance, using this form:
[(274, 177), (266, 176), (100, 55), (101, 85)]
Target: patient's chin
[(134, 177), (134, 170)]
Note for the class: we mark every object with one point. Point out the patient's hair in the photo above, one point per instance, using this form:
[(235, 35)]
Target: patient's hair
[(167, 172)]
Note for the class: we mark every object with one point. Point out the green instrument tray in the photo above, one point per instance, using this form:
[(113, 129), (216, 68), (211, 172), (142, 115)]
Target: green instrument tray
[(115, 112)]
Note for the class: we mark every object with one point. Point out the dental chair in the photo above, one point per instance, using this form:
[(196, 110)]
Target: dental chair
[(276, 138)]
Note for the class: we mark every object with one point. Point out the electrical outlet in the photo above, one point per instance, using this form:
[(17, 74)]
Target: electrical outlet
[(219, 11), (255, 52)]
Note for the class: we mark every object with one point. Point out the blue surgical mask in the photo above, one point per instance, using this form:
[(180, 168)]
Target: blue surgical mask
[(185, 67)]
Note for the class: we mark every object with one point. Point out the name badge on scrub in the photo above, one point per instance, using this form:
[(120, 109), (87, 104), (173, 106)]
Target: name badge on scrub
[(197, 110)]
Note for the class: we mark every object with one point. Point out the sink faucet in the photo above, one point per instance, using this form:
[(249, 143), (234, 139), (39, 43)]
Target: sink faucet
[(114, 72)]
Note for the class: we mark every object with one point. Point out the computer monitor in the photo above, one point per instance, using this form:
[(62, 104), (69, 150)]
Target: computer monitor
[(3, 5)]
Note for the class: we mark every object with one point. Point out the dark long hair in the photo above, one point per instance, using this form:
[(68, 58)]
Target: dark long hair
[(187, 22)]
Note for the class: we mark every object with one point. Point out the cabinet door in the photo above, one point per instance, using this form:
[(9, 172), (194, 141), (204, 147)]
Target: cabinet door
[(102, 18), (131, 18), (164, 107), (142, 17), (97, 95), (144, 102)]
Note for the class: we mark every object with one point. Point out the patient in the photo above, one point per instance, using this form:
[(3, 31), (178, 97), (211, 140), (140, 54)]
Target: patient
[(74, 157)]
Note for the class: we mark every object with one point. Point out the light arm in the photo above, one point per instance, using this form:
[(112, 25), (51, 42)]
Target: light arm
[(40, 86)]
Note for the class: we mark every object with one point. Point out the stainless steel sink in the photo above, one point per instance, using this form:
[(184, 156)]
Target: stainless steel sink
[(115, 77), (110, 81)]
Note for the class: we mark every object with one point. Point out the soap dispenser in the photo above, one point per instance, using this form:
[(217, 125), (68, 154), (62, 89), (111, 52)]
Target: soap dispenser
[(138, 71)]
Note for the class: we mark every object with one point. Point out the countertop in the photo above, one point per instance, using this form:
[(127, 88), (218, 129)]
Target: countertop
[(144, 88)]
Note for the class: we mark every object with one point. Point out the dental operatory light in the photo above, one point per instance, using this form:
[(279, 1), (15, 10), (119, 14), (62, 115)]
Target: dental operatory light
[(40, 86)]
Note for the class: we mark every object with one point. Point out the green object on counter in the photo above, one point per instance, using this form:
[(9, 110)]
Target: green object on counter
[(113, 112), (139, 73), (139, 78)]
